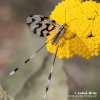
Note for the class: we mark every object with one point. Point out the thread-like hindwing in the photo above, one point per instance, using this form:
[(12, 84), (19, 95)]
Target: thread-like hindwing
[(41, 25)]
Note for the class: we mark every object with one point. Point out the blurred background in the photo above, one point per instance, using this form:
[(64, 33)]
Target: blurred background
[(17, 43)]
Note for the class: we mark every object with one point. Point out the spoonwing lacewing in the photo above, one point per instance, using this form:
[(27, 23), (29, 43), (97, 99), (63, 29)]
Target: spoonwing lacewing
[(43, 26)]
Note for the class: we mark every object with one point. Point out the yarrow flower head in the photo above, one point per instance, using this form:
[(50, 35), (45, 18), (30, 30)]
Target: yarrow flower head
[(83, 21)]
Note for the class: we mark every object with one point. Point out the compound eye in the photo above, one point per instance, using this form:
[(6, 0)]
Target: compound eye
[(65, 24)]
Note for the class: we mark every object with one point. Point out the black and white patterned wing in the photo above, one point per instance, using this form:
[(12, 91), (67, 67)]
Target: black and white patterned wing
[(33, 19), (41, 25)]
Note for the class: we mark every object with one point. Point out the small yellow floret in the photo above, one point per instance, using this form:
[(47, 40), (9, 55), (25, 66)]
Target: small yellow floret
[(83, 21)]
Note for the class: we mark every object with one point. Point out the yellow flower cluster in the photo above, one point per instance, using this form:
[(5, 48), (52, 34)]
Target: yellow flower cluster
[(83, 21)]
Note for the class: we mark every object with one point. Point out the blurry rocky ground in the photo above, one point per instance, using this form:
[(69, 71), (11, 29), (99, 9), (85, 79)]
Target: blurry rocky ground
[(4, 95), (17, 43)]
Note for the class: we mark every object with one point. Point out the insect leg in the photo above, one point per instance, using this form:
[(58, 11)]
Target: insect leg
[(27, 60), (50, 74)]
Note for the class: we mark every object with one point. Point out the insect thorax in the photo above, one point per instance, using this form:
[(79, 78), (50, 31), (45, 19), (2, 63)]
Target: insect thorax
[(58, 36)]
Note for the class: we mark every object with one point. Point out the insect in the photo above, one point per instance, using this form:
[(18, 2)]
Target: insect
[(43, 26)]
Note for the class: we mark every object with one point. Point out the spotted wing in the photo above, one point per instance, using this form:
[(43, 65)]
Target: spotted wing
[(41, 25)]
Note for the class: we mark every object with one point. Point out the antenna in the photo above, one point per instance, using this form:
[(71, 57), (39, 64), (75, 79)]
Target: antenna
[(65, 15)]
